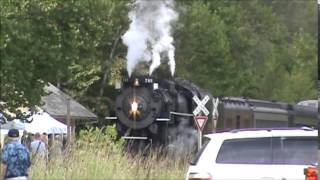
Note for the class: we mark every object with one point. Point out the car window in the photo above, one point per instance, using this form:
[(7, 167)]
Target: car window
[(295, 150), (245, 151)]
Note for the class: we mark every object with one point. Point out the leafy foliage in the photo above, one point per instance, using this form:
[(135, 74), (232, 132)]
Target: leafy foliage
[(100, 138), (258, 48), (243, 48)]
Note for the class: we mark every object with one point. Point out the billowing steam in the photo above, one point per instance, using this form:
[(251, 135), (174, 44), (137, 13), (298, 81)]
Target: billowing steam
[(183, 141), (149, 34)]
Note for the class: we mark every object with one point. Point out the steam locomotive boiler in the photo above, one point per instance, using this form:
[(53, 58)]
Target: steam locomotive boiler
[(157, 111)]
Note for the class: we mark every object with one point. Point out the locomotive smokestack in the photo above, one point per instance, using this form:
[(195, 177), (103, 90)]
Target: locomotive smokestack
[(149, 34)]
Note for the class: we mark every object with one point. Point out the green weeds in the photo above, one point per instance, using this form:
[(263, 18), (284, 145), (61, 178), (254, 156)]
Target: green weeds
[(98, 155)]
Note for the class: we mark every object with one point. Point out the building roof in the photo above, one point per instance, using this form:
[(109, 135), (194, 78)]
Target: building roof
[(55, 103)]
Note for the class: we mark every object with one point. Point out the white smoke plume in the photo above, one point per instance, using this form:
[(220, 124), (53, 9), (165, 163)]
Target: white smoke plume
[(149, 34)]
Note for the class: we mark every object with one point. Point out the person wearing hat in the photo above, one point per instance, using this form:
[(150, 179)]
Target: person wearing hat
[(15, 158)]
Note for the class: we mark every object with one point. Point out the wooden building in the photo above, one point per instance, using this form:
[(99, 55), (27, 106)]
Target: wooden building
[(65, 109)]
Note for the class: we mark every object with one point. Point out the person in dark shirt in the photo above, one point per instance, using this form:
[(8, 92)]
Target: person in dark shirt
[(24, 139), (15, 158)]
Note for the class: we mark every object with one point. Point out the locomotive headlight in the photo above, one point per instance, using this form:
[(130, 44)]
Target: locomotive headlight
[(134, 106), (134, 111), (136, 82)]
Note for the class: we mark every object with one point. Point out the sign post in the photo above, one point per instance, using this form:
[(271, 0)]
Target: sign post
[(200, 120)]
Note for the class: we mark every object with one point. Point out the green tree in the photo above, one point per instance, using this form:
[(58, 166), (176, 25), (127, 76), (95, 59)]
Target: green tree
[(239, 48), (259, 49), (202, 48), (300, 83), (69, 43), (28, 59)]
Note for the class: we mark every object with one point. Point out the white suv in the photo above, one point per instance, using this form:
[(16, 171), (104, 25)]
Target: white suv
[(247, 154)]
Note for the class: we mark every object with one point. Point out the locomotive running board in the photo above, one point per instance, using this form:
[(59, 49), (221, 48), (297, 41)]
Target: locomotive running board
[(162, 119), (181, 114), (135, 137), (111, 118)]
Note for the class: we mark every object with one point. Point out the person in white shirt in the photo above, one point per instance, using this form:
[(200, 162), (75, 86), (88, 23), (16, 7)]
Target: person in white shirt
[(38, 148)]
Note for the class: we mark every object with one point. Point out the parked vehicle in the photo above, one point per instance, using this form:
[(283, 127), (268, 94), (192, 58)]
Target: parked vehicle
[(264, 153)]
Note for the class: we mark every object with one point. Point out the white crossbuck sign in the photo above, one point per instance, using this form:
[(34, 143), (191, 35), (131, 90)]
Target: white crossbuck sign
[(215, 103), (201, 105)]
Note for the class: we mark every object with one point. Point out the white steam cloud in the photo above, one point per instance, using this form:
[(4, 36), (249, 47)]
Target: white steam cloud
[(149, 34)]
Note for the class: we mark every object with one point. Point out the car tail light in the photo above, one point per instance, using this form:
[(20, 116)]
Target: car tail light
[(311, 173), (199, 176)]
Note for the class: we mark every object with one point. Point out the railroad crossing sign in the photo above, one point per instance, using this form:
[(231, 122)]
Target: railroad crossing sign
[(215, 103), (201, 105), (201, 121)]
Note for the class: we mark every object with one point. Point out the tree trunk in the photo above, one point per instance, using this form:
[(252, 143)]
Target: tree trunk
[(105, 69)]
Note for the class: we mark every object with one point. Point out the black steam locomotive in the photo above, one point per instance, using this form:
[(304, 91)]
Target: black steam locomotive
[(160, 111)]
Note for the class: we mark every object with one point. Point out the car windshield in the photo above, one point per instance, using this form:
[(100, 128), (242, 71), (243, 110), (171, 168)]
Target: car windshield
[(276, 150)]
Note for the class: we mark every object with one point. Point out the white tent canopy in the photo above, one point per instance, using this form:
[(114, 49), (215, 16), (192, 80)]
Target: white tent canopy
[(16, 124), (43, 122), (4, 128)]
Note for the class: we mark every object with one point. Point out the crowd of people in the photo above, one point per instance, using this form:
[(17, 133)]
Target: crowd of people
[(18, 153)]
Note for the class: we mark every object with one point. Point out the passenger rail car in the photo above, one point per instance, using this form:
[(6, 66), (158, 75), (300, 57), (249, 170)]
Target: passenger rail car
[(238, 113)]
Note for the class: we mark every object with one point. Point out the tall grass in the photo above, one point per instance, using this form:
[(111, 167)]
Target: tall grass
[(97, 155)]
